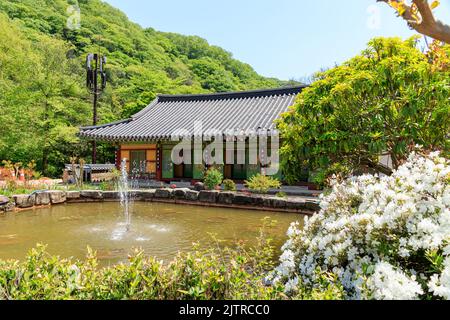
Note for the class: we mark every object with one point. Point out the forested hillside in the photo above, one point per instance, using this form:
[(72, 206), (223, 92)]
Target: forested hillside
[(42, 95)]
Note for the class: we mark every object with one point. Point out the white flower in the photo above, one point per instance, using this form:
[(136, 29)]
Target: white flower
[(440, 285), (388, 283), (291, 285), (368, 219)]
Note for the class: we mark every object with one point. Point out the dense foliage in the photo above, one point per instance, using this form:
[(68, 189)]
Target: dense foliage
[(198, 275), (42, 94), (379, 237), (383, 101)]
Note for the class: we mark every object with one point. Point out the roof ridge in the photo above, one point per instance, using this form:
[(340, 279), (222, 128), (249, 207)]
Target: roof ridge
[(231, 95)]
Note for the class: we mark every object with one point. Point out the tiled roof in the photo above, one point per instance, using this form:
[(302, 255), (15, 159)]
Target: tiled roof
[(237, 111)]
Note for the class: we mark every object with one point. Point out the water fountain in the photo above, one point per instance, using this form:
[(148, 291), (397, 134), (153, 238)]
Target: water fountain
[(124, 192)]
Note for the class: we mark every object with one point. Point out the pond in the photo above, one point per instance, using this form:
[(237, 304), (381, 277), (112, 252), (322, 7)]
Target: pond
[(160, 229)]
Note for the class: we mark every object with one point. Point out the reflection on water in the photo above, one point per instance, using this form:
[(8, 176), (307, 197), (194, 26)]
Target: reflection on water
[(160, 229)]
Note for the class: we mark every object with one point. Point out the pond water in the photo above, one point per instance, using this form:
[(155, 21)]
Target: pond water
[(160, 229)]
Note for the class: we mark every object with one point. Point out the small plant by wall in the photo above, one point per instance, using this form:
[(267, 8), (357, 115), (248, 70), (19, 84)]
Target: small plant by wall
[(281, 194), (213, 178), (229, 185), (261, 184)]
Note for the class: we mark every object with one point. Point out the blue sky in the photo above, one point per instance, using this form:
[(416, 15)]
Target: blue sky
[(287, 39)]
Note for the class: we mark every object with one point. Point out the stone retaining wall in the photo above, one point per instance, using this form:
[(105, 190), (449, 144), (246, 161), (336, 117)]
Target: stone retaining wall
[(178, 196)]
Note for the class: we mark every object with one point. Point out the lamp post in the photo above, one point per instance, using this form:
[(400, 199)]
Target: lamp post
[(95, 67)]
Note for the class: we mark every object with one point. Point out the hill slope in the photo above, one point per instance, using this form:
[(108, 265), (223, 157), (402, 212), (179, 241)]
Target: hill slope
[(43, 98)]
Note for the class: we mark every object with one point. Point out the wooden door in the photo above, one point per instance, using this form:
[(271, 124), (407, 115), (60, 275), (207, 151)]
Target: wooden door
[(138, 162), (228, 171), (178, 171)]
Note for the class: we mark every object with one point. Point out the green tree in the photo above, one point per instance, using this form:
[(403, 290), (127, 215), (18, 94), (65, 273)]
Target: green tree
[(58, 105), (42, 101), (383, 101), (213, 76), (16, 65)]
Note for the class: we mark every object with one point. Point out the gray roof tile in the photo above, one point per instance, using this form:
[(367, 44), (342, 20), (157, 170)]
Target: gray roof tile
[(247, 110)]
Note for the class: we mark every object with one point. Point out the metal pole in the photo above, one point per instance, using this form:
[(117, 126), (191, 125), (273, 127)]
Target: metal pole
[(94, 143)]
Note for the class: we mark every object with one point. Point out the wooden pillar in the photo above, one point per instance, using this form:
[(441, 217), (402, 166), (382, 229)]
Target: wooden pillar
[(159, 161), (118, 157)]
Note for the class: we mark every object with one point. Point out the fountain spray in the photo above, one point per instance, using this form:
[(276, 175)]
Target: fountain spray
[(125, 193)]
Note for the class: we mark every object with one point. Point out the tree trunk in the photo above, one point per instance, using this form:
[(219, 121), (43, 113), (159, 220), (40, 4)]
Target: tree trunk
[(45, 150), (45, 162)]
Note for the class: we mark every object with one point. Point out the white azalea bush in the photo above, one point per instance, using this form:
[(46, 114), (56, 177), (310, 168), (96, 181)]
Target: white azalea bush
[(377, 237)]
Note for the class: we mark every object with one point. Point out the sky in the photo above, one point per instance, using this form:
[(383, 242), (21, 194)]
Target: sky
[(286, 39)]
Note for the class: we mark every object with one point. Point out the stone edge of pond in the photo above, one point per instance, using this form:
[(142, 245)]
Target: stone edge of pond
[(182, 196)]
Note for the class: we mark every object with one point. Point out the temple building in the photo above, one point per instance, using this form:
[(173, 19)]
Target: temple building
[(146, 140)]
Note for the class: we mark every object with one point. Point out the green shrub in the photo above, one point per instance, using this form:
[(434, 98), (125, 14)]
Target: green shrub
[(262, 184), (105, 186), (37, 175), (229, 185), (335, 172), (213, 178), (112, 180), (281, 195)]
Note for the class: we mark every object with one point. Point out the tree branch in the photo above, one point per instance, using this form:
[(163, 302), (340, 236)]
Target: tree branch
[(425, 11), (428, 25), (377, 167)]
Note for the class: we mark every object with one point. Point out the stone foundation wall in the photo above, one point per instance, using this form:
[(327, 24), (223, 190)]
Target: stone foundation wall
[(176, 196)]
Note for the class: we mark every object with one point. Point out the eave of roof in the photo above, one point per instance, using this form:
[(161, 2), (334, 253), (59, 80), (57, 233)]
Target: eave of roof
[(106, 125)]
